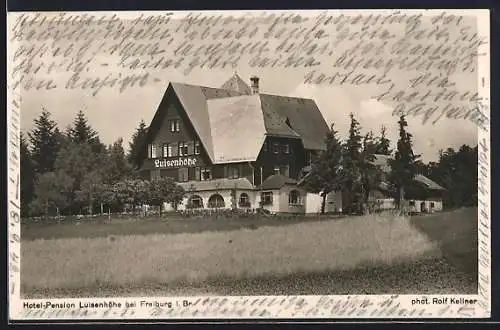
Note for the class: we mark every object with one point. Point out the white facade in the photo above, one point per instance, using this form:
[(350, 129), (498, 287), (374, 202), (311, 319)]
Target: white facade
[(282, 201), (333, 203), (425, 206), (304, 202)]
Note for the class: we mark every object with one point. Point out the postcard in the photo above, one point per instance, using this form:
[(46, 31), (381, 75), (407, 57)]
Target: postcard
[(210, 165)]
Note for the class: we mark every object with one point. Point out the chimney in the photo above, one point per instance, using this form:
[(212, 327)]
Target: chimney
[(254, 84)]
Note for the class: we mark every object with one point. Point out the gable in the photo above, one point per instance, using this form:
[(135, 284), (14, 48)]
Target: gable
[(235, 83)]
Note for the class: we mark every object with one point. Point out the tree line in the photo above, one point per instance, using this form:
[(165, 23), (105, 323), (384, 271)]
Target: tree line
[(348, 166), (73, 172)]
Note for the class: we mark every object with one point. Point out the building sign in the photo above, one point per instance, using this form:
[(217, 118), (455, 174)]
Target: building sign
[(180, 162)]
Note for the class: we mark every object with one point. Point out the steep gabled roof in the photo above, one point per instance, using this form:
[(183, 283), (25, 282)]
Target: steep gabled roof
[(428, 183), (382, 161), (224, 118), (236, 121), (236, 84), (194, 100), (306, 120), (276, 181)]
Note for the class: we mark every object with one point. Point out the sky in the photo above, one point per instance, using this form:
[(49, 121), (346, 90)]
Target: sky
[(116, 115)]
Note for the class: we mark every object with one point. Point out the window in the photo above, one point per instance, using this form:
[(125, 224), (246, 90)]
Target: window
[(286, 148), (285, 170), (195, 202), (197, 173), (244, 200), (264, 147), (153, 151), (183, 174), (168, 150), (149, 150), (175, 125), (294, 198), (216, 201), (183, 148), (276, 170), (276, 147), (233, 172), (197, 147), (412, 203), (206, 174), (266, 198)]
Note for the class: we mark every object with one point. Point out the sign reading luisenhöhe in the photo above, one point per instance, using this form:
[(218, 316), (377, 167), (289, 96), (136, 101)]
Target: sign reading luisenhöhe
[(163, 163)]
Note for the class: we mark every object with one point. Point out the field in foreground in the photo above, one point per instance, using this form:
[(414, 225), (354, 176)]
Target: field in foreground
[(359, 255)]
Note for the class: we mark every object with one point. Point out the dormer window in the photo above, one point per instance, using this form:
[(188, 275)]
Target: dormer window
[(175, 125)]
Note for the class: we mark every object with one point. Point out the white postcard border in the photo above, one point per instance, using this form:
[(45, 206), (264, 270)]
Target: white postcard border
[(263, 307)]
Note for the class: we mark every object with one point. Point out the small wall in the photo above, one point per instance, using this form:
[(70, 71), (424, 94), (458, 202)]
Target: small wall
[(285, 206), (426, 206), (333, 203), (275, 206)]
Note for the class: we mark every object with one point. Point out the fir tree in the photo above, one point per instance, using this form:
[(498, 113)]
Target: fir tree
[(353, 195), (137, 144), (383, 145), (370, 176), (326, 172), (404, 164), (82, 132), (45, 143)]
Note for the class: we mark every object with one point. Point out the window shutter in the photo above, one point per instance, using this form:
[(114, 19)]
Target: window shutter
[(226, 172), (191, 148), (197, 173), (149, 150)]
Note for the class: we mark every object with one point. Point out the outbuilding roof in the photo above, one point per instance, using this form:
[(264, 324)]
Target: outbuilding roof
[(277, 181), (217, 184)]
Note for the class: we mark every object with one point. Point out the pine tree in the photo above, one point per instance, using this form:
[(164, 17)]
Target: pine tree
[(370, 176), (326, 172), (457, 172), (353, 192), (27, 175), (82, 132), (137, 144), (45, 143), (404, 164), (383, 145)]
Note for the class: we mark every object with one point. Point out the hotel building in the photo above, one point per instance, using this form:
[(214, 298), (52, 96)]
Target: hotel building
[(233, 146)]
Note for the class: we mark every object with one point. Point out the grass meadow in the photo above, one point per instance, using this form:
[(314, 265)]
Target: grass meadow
[(355, 255)]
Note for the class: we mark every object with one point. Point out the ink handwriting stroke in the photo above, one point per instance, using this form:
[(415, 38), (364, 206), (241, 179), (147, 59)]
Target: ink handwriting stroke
[(421, 64)]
